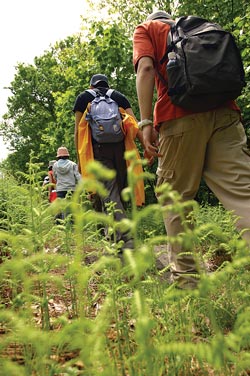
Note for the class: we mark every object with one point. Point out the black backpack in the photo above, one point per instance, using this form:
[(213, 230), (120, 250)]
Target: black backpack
[(208, 70)]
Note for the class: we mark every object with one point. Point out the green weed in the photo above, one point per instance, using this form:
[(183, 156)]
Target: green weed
[(69, 306)]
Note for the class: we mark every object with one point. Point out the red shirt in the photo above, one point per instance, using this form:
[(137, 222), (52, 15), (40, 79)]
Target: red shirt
[(53, 181), (150, 40)]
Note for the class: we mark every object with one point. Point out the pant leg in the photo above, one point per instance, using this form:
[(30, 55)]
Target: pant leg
[(112, 157), (227, 167), (65, 195), (183, 145), (120, 165), (121, 180), (212, 144), (60, 195), (105, 154)]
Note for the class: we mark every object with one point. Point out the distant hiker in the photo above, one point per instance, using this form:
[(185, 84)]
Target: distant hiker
[(49, 183), (105, 127), (52, 182), (46, 180), (65, 173)]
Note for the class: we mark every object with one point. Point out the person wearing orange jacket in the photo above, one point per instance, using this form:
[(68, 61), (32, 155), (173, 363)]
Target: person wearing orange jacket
[(111, 155)]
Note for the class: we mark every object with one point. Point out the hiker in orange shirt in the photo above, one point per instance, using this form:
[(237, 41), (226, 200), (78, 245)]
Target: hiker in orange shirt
[(189, 145)]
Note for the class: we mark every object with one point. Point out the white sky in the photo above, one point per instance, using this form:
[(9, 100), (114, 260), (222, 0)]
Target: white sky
[(27, 29)]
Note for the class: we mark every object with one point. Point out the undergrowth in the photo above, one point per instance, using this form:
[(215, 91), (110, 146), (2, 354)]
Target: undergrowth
[(69, 306)]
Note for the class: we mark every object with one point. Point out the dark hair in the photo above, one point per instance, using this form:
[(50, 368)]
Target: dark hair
[(63, 157)]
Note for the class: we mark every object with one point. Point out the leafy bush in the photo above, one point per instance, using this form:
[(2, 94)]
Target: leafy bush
[(70, 307)]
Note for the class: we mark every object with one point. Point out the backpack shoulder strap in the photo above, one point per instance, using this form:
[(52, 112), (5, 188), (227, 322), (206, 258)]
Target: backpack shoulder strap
[(109, 92), (168, 21), (172, 39), (92, 92)]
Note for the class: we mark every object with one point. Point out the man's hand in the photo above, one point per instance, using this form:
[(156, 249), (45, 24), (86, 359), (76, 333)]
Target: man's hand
[(150, 159), (151, 142)]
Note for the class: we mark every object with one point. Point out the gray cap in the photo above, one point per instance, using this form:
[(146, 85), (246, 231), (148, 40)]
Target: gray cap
[(160, 14), (97, 78)]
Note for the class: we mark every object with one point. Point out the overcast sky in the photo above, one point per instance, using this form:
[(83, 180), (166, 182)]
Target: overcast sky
[(27, 29)]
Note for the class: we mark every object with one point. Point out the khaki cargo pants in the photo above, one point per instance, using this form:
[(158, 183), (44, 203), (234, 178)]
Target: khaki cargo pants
[(211, 145)]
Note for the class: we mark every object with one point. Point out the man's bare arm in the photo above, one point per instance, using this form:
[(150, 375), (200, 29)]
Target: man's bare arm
[(145, 82)]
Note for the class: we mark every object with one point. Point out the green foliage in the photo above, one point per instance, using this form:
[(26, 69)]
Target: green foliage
[(40, 117), (241, 31), (69, 306), (131, 13)]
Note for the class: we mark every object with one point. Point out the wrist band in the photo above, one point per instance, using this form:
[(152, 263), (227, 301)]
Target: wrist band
[(144, 122)]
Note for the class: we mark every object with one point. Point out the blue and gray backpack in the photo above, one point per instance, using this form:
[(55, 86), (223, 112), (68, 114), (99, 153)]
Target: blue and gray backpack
[(104, 118)]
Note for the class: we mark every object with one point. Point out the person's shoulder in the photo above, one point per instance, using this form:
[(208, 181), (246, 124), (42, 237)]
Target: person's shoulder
[(85, 93), (73, 163), (117, 93), (120, 99), (117, 96), (142, 26), (153, 25)]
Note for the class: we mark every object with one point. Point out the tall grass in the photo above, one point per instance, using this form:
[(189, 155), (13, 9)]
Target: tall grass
[(69, 306)]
